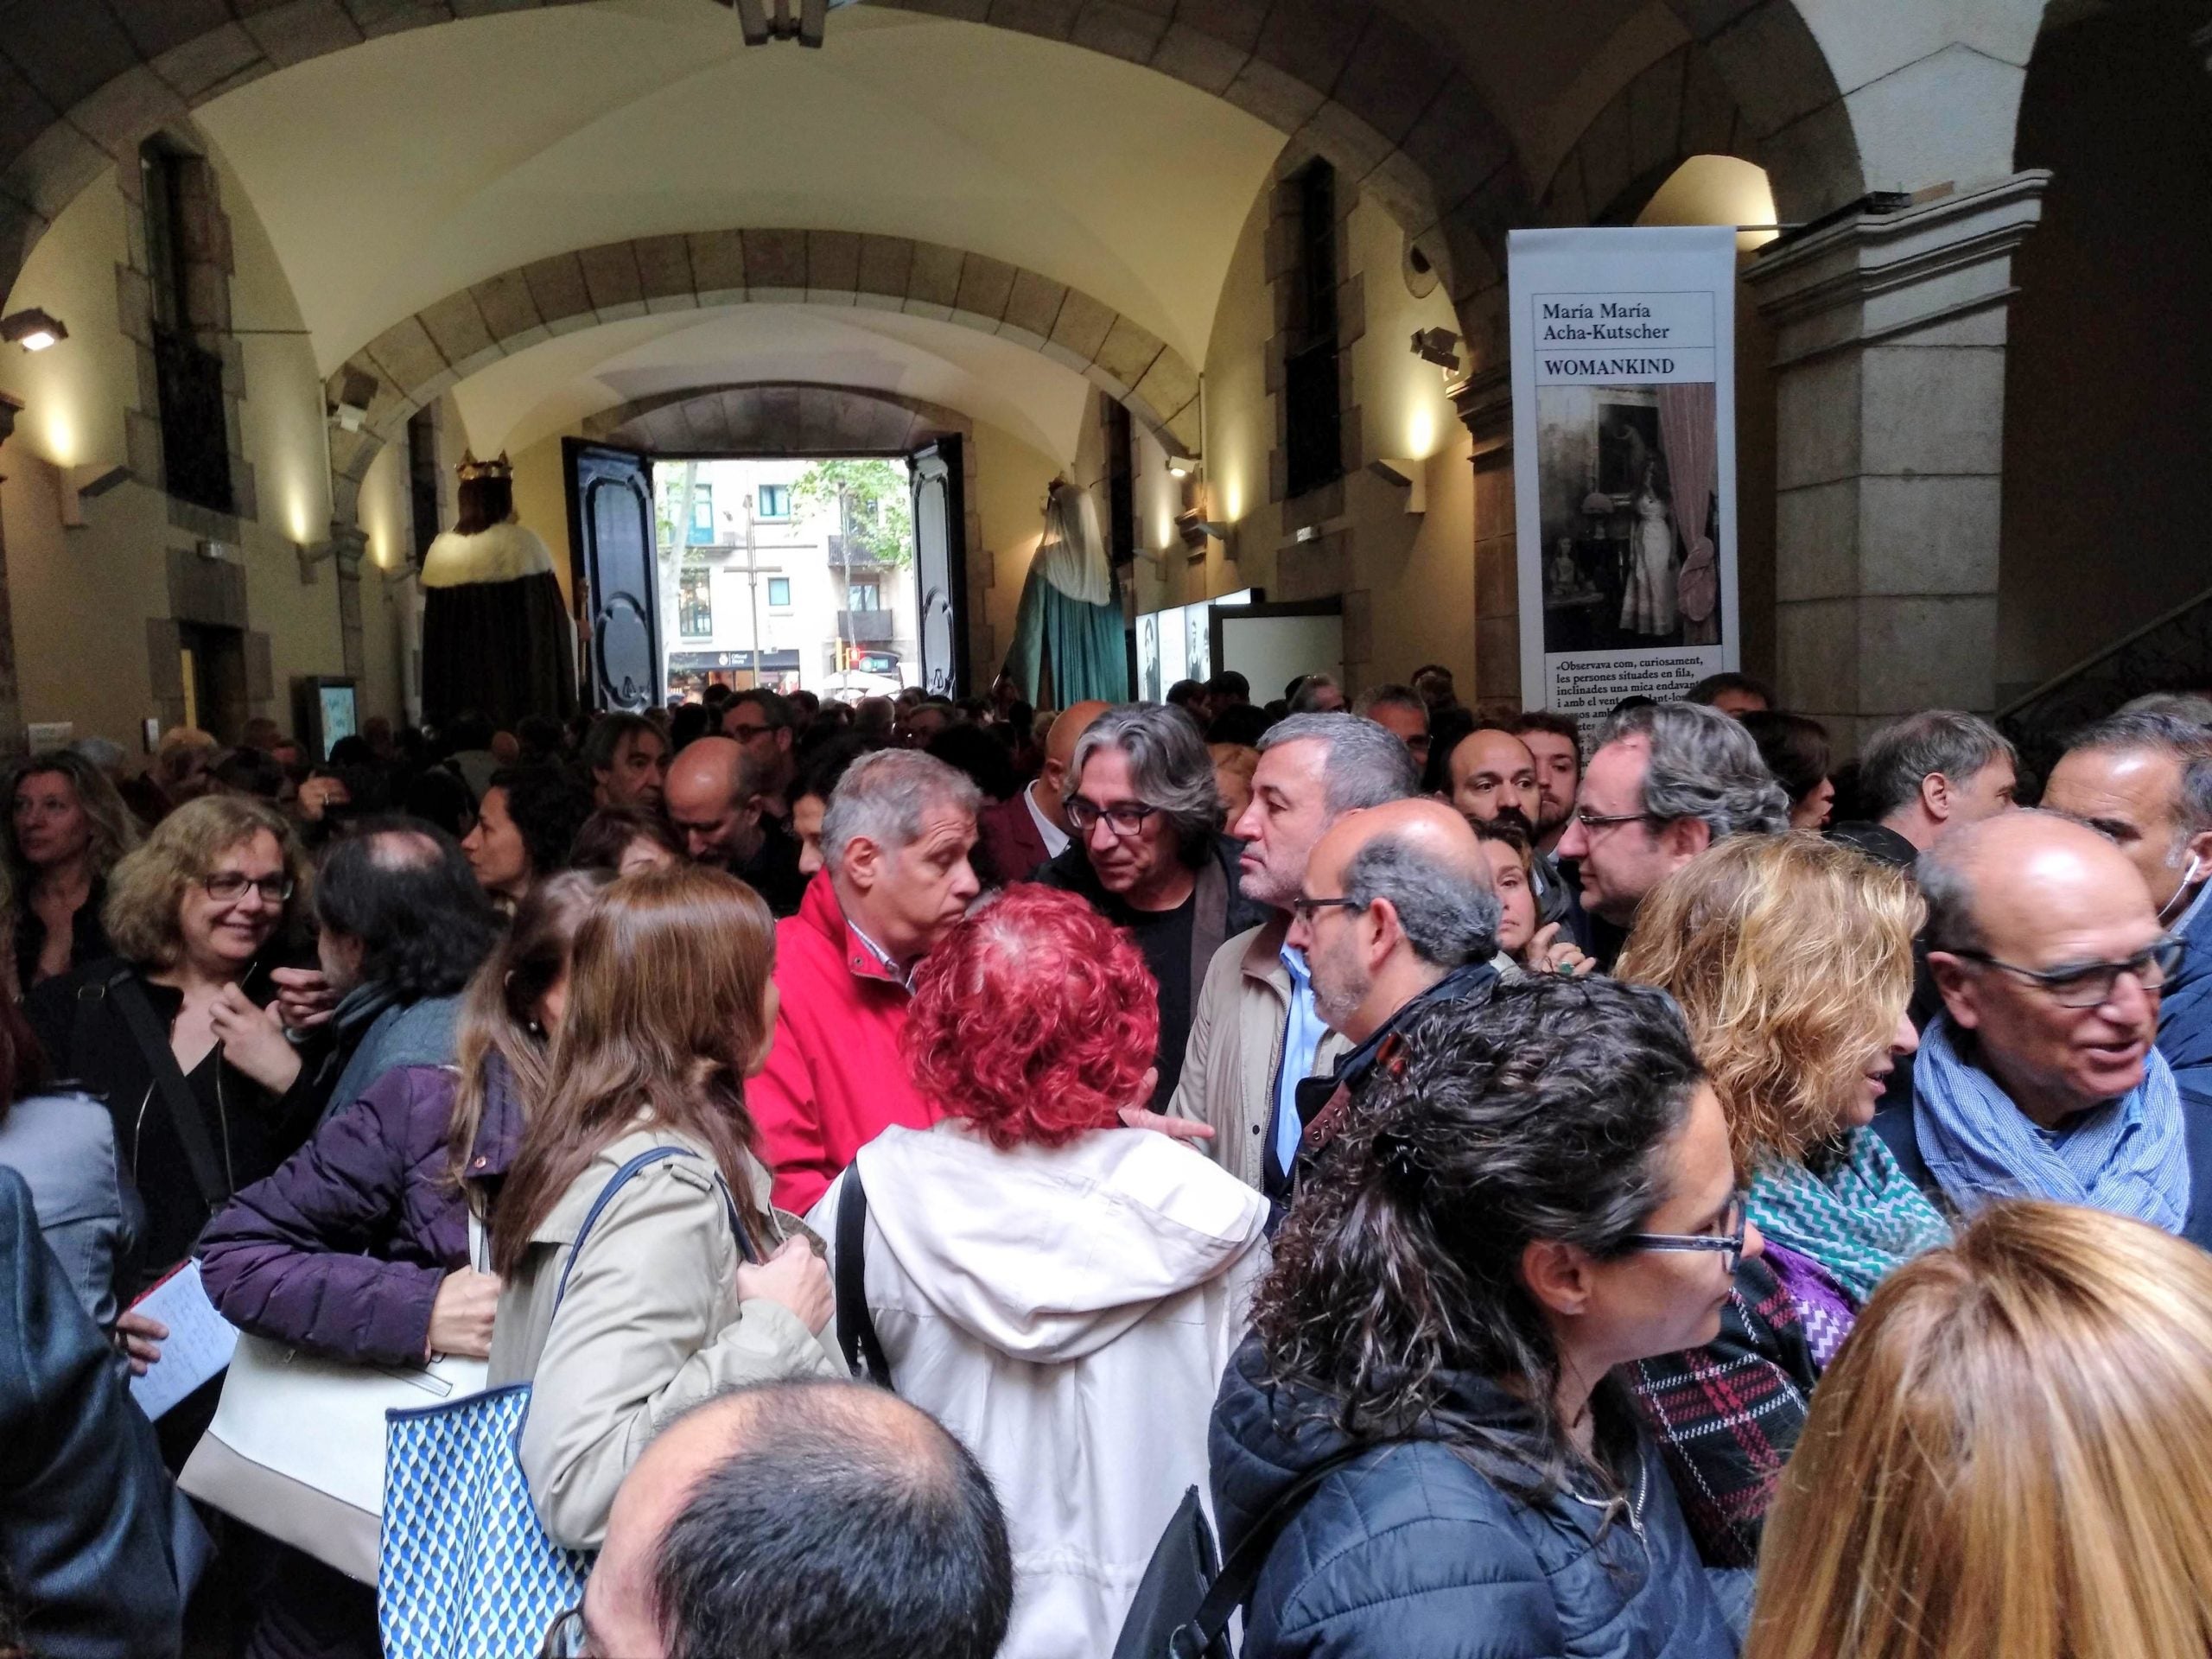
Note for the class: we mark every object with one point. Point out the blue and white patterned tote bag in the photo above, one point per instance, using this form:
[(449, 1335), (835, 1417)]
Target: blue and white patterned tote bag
[(467, 1570)]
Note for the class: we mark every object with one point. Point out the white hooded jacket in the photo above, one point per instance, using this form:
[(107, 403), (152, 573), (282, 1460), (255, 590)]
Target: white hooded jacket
[(1068, 1312)]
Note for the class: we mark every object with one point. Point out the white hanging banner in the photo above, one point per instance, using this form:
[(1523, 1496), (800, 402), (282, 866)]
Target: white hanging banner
[(1624, 461)]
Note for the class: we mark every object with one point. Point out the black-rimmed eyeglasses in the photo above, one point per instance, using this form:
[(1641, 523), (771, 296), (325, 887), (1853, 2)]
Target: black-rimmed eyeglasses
[(1123, 818), (2089, 984), (228, 887), (1735, 1223)]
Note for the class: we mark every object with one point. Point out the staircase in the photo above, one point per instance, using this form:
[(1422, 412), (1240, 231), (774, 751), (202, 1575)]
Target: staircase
[(2172, 652)]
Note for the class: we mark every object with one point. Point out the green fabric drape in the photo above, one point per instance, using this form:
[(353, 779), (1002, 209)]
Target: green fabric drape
[(1085, 648)]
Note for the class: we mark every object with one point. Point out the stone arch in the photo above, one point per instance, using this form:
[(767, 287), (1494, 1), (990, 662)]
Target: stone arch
[(420, 357), (1391, 108), (1676, 107), (1793, 118), (779, 417)]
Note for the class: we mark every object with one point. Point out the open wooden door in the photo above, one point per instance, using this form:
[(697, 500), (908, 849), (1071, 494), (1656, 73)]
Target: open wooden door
[(941, 564), (610, 532)]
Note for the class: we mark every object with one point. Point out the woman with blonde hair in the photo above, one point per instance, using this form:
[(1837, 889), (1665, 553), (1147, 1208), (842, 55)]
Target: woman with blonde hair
[(67, 830), (686, 1282), (1791, 959), (177, 1019), (2013, 1456)]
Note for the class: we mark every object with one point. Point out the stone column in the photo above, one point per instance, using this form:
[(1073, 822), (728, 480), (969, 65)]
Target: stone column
[(1485, 400), (349, 547), (1890, 401), (13, 738)]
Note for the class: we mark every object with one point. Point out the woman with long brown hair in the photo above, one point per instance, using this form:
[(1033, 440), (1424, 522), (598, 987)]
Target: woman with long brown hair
[(359, 1247), (2012, 1456), (690, 1283)]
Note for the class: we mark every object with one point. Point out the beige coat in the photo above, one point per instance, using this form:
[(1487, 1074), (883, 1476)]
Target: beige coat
[(1230, 1063), (651, 1325)]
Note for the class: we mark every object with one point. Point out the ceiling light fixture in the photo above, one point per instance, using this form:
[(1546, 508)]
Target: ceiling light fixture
[(33, 330)]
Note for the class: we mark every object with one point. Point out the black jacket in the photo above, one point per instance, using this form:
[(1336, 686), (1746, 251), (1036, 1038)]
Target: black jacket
[(1412, 1554), (100, 1551), (1221, 912), (250, 1129)]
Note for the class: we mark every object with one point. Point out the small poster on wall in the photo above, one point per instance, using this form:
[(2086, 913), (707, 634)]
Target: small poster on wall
[(1625, 461)]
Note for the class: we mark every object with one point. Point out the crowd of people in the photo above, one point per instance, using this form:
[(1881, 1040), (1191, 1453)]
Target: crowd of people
[(1533, 1186)]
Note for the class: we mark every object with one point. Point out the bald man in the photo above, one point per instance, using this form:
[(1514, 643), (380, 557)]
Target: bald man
[(1021, 833), (2039, 1079), (713, 798), (804, 1521), (1493, 777), (1397, 915)]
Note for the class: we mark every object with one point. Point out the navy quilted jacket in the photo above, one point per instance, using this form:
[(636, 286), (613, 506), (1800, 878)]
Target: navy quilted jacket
[(1410, 1553), (341, 1251)]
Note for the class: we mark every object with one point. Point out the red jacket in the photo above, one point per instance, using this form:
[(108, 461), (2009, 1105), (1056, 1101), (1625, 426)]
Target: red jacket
[(835, 1079)]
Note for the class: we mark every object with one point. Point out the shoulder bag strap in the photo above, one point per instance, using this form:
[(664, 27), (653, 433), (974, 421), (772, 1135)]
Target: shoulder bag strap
[(615, 1183), (855, 1324), (169, 1082), (1232, 1585)]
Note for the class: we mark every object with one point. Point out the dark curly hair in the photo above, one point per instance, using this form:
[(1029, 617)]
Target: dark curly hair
[(404, 890), (1035, 1021), (1541, 1114), (548, 807)]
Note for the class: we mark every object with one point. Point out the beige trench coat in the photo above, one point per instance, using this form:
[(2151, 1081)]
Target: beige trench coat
[(1236, 1045), (651, 1325)]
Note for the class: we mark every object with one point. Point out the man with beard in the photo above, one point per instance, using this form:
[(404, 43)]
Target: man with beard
[(1493, 779), (1397, 913)]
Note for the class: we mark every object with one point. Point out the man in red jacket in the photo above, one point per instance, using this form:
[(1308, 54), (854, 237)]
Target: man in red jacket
[(895, 877)]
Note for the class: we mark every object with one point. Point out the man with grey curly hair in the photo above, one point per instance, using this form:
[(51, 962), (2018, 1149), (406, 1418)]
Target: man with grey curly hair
[(1141, 802), (1665, 782)]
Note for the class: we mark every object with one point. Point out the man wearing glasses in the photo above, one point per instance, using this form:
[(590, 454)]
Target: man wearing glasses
[(1665, 782), (1398, 913), (1147, 855), (2039, 1079)]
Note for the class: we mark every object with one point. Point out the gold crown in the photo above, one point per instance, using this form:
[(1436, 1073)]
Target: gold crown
[(471, 467)]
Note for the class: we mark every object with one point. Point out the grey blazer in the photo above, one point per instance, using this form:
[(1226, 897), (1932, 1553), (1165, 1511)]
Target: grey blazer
[(63, 1146)]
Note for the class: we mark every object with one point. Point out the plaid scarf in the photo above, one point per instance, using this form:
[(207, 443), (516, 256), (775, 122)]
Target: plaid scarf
[(2129, 1156), (1859, 1218)]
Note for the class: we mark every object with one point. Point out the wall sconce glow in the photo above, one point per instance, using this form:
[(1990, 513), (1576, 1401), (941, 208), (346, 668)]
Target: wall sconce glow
[(1232, 499), (1420, 433), (33, 330), (298, 514), (60, 437)]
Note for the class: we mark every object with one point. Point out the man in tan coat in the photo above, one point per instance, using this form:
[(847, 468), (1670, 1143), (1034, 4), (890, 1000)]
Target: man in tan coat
[(1254, 1034)]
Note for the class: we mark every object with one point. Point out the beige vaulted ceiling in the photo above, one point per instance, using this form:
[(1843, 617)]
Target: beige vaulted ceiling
[(390, 175), (393, 173)]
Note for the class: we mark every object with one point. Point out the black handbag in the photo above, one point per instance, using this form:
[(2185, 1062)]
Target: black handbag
[(1184, 1599)]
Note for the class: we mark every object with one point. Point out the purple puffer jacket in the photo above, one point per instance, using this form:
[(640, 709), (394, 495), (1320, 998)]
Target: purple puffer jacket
[(342, 1249)]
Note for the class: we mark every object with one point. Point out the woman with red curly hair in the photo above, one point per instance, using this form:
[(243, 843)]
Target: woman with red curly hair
[(1062, 1292)]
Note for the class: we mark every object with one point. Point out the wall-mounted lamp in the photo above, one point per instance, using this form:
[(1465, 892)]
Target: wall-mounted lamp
[(1195, 529), (1434, 345), (33, 330), (762, 21), (355, 392), (1182, 465), (1411, 476), (95, 478)]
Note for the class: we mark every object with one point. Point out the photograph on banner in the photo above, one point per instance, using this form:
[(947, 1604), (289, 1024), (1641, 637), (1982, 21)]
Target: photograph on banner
[(1624, 442)]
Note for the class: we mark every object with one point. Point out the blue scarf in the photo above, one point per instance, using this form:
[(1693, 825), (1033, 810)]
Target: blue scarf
[(2129, 1156)]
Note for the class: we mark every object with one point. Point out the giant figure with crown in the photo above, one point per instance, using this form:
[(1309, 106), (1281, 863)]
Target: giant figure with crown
[(497, 640)]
